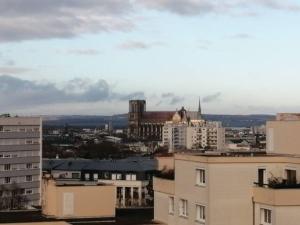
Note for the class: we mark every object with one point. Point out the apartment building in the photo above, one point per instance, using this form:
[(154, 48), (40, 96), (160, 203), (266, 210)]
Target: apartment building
[(20, 161), (232, 189), (183, 133)]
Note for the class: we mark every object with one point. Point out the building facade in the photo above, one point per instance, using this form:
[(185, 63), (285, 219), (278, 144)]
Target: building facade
[(148, 125), (183, 133), (20, 161), (230, 190)]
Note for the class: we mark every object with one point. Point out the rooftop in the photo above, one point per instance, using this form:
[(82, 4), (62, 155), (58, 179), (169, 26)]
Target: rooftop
[(133, 164)]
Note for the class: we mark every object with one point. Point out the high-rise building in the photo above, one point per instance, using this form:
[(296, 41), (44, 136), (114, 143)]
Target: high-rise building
[(20, 161), (183, 133)]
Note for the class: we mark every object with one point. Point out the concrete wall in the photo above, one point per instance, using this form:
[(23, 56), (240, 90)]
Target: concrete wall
[(78, 201), (165, 163), (283, 137)]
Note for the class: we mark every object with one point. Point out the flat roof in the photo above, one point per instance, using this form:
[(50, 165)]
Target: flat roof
[(238, 157)]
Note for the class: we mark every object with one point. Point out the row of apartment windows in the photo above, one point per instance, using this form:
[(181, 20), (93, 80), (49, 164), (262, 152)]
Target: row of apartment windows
[(19, 154), (20, 141), (19, 129), (290, 174), (23, 191), (114, 176), (183, 209), (9, 180), (11, 167), (265, 214)]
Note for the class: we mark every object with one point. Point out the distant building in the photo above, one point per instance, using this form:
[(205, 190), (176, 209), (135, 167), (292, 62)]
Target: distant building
[(148, 124), (20, 160), (185, 133)]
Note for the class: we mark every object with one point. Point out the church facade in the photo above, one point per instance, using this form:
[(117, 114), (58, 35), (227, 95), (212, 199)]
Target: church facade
[(148, 125)]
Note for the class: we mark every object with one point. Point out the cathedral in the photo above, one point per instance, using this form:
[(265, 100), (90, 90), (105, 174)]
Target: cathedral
[(148, 125)]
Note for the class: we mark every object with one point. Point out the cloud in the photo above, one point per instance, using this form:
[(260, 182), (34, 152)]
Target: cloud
[(34, 19), (212, 98), (22, 20), (13, 70), (17, 93), (83, 51), (241, 36), (170, 99), (134, 45), (201, 7)]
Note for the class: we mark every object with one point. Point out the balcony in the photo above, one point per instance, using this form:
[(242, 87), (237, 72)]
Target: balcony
[(164, 185), (277, 197)]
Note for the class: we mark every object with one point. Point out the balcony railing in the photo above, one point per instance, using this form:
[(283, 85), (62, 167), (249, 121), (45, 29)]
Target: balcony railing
[(280, 185)]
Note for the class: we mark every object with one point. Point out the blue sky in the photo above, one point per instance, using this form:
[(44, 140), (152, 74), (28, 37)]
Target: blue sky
[(90, 57)]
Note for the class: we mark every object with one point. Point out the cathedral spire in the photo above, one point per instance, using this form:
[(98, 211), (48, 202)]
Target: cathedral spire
[(199, 113)]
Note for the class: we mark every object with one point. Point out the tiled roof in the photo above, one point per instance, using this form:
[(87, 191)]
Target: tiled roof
[(160, 116), (132, 164)]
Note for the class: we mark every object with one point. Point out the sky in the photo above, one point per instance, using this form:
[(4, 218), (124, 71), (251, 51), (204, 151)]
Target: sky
[(89, 57)]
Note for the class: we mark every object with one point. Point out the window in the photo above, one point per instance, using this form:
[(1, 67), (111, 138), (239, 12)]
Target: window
[(7, 180), (28, 191), (200, 177), (291, 176), (75, 175), (87, 176), (265, 216), (28, 178), (261, 177), (95, 176), (183, 207), (7, 167), (171, 205), (130, 176), (29, 166), (28, 142), (116, 176), (200, 213)]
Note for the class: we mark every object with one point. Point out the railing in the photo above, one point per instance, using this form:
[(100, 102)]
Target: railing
[(277, 197), (283, 185)]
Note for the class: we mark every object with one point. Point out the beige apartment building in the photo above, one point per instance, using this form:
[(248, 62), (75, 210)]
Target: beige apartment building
[(231, 188), (76, 199)]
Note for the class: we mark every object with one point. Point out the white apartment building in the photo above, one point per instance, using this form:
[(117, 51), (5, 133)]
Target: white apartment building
[(20, 159), (182, 133)]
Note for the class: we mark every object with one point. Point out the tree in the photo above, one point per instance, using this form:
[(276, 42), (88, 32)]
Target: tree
[(12, 197)]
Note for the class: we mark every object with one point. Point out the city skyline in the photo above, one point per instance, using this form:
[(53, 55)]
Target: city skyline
[(91, 57)]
